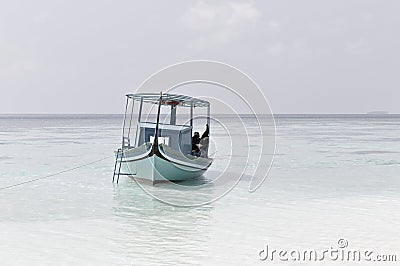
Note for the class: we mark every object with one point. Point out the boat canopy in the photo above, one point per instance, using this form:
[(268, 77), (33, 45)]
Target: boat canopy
[(169, 99), (177, 136)]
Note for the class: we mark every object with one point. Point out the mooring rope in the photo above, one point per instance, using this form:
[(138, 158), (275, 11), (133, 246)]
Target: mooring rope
[(54, 174)]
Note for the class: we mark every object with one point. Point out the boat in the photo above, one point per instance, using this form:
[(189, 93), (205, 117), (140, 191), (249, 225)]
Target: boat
[(162, 151)]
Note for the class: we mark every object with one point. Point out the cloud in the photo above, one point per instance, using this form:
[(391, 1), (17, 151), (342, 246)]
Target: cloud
[(274, 25), (222, 22), (359, 47)]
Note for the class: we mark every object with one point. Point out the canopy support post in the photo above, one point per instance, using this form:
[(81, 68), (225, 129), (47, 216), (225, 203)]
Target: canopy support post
[(138, 122), (140, 109), (191, 114), (155, 143), (173, 115), (130, 123), (208, 119)]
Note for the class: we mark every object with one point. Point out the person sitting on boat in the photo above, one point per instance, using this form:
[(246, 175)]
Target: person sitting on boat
[(203, 145), (198, 143), (206, 133)]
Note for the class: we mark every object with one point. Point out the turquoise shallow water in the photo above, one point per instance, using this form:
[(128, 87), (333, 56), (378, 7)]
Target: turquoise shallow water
[(333, 177)]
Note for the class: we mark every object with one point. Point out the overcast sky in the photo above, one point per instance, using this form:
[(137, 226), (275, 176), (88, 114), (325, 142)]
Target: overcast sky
[(338, 56)]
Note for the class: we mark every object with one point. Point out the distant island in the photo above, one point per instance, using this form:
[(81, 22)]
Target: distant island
[(378, 113)]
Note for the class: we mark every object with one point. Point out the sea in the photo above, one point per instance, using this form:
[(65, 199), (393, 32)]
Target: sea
[(329, 186)]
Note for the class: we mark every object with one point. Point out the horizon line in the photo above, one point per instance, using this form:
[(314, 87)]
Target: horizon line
[(93, 114)]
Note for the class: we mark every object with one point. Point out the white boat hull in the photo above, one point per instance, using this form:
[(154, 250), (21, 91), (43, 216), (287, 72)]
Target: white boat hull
[(162, 164)]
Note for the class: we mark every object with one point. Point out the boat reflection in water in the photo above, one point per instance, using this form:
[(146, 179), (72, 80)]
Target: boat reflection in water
[(159, 231)]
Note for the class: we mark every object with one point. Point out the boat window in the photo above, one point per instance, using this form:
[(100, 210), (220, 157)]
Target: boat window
[(161, 140)]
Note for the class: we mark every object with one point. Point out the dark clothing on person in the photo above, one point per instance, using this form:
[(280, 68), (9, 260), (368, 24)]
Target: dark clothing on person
[(195, 142), (206, 133)]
